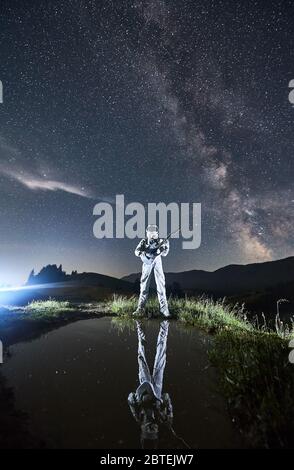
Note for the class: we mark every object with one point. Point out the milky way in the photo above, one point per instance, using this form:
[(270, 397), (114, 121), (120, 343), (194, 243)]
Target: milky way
[(159, 100)]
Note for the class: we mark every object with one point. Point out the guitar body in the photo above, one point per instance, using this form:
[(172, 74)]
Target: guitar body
[(149, 255), (149, 249)]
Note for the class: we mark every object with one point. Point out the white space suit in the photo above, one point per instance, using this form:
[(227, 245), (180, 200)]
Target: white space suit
[(151, 258), (149, 405)]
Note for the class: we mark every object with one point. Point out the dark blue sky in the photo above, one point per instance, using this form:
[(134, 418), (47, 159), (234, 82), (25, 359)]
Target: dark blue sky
[(158, 100)]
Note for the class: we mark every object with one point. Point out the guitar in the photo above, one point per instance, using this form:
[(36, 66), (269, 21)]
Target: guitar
[(149, 254)]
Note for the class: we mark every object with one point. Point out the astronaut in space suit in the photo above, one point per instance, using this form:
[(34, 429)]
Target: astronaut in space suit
[(150, 250), (149, 406)]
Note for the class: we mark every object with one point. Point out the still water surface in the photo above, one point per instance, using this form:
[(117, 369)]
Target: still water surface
[(74, 384)]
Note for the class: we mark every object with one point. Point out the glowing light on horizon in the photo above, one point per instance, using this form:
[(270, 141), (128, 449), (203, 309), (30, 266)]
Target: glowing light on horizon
[(37, 286)]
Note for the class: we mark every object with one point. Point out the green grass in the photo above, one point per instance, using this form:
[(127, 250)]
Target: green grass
[(202, 312), (123, 306), (258, 381), (213, 316), (52, 310), (47, 310), (255, 374)]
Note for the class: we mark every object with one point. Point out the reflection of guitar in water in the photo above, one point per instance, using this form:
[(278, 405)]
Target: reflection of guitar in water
[(149, 406), (154, 248)]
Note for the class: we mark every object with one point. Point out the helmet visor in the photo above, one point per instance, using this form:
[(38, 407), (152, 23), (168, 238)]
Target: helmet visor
[(152, 231), (152, 228)]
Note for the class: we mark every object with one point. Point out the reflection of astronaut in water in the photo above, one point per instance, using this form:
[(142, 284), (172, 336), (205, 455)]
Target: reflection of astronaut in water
[(149, 406)]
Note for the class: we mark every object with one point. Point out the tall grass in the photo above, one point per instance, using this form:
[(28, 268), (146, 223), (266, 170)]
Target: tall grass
[(258, 381), (123, 306), (200, 311), (47, 309), (213, 316)]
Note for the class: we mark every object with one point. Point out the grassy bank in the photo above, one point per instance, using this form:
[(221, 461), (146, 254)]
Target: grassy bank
[(47, 310), (51, 311), (39, 317), (256, 376)]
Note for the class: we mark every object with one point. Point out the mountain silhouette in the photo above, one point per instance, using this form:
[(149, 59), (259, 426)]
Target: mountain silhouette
[(258, 285), (232, 279), (51, 274)]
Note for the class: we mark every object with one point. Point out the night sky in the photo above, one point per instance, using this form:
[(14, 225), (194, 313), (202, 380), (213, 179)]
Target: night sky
[(159, 100)]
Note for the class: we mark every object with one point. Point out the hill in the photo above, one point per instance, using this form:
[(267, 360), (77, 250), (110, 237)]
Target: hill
[(232, 279)]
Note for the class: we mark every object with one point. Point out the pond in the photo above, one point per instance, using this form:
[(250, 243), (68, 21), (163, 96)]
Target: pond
[(74, 384)]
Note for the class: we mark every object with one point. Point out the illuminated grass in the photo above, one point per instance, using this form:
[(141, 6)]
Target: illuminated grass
[(48, 309), (202, 312), (54, 310), (123, 306), (212, 316)]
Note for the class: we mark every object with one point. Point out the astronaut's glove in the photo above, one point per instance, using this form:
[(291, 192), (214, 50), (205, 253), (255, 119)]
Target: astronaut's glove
[(161, 249), (132, 399)]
